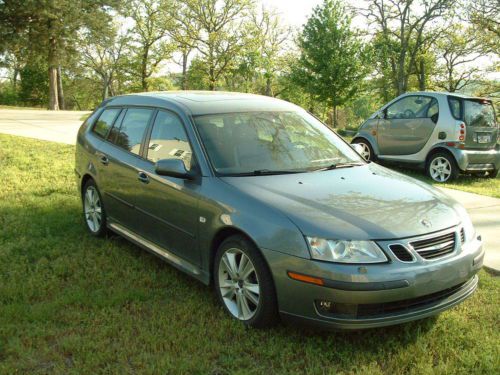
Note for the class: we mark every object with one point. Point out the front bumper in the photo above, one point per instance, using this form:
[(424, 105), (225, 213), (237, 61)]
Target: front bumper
[(436, 285)]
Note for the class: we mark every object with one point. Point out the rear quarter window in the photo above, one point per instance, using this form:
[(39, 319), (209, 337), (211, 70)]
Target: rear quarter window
[(105, 121), (455, 107)]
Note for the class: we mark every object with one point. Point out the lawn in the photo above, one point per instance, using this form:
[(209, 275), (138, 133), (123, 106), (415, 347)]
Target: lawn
[(73, 304)]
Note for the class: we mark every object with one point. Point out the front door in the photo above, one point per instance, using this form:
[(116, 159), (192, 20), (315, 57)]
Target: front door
[(407, 125), (168, 206)]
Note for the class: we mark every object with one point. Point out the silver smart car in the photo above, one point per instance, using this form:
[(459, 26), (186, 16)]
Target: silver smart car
[(444, 133)]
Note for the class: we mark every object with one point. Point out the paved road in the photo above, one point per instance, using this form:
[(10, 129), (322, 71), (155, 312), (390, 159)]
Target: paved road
[(62, 126)]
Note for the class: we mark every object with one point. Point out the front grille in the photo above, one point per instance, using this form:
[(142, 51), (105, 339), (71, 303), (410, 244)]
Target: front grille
[(374, 309), (401, 253), (462, 235), (435, 247)]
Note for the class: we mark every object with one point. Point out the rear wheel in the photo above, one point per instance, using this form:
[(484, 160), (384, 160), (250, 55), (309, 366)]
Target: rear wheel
[(93, 210), (243, 283), (367, 152), (441, 167)]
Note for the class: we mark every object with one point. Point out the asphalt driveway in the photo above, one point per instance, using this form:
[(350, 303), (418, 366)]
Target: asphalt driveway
[(62, 126)]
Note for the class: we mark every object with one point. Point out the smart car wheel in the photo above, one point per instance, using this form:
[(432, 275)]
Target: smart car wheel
[(367, 152), (244, 284), (93, 210), (441, 167)]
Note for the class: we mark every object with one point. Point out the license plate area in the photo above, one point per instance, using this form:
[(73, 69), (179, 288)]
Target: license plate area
[(483, 138)]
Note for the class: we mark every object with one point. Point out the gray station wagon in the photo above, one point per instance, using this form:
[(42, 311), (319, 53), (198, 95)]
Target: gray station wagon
[(257, 198), (442, 132)]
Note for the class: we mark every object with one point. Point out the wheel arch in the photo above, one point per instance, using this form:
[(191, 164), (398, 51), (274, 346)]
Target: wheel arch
[(371, 142), (86, 177), (220, 236), (440, 149)]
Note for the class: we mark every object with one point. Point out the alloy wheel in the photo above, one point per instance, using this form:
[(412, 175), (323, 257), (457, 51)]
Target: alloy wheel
[(440, 169), (366, 154), (239, 284), (93, 209)]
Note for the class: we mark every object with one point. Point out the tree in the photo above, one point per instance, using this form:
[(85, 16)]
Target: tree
[(49, 27), (151, 23), (333, 59), (103, 53), (403, 25), (457, 49), (218, 32)]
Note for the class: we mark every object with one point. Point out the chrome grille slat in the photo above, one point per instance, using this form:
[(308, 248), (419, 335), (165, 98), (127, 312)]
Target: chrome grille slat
[(435, 247)]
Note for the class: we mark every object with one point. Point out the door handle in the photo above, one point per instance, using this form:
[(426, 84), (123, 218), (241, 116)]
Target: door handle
[(143, 177), (103, 159)]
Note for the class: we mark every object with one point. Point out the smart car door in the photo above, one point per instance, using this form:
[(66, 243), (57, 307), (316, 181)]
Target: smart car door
[(407, 125), (168, 206)]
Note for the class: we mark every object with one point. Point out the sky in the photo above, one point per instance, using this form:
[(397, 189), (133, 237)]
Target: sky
[(292, 12)]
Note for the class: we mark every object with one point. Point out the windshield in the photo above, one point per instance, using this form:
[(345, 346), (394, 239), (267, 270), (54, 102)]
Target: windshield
[(281, 142), (479, 113)]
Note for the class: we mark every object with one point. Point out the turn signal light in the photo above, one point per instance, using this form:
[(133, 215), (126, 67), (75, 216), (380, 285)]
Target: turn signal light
[(305, 278)]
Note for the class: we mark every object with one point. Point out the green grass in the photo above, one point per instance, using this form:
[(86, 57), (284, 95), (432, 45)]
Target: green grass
[(19, 107), (73, 304)]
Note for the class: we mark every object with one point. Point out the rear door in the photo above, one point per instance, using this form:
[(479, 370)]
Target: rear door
[(407, 125), (120, 166), (481, 124)]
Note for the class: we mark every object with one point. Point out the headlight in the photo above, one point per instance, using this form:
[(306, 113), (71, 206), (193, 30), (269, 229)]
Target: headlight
[(468, 227), (345, 251)]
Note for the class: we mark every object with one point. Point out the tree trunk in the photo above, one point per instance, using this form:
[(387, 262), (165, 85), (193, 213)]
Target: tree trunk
[(421, 76), (185, 55), (60, 92), (335, 116), (105, 87), (15, 74), (52, 62), (269, 91), (144, 69), (211, 78)]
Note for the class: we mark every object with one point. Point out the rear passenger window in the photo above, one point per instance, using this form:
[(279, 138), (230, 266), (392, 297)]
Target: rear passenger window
[(105, 121), (131, 132), (455, 107), (169, 140)]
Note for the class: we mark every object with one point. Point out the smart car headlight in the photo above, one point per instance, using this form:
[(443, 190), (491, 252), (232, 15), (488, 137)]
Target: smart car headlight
[(342, 251)]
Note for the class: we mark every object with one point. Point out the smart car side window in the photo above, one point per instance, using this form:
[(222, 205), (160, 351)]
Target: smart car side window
[(410, 107), (168, 140)]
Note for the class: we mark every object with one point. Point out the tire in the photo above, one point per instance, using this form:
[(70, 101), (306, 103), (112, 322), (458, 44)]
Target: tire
[(367, 153), (249, 298), (93, 211), (490, 174), (441, 167)]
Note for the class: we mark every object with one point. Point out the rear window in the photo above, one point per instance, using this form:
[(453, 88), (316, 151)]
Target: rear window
[(479, 113)]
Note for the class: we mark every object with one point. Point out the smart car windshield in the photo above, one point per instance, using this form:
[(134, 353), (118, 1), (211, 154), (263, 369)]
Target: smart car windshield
[(254, 143)]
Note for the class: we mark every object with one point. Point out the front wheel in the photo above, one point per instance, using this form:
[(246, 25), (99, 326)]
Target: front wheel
[(442, 167), (243, 283), (367, 152)]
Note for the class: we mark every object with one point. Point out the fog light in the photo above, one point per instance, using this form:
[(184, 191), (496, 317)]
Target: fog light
[(341, 310)]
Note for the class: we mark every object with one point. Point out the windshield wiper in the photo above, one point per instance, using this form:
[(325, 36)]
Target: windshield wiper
[(261, 172), (337, 166)]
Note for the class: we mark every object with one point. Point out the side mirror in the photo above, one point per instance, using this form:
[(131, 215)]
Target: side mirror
[(380, 114), (173, 168), (357, 147)]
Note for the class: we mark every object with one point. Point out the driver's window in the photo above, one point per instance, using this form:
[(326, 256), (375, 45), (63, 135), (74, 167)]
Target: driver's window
[(410, 107), (169, 140)]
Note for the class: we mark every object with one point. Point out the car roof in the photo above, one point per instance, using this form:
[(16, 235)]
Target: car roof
[(444, 93), (206, 102)]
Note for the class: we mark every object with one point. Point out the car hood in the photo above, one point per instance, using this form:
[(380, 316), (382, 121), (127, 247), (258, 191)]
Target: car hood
[(359, 203)]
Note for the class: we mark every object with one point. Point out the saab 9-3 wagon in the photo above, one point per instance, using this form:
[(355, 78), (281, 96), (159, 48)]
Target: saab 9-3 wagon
[(444, 133), (257, 198)]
